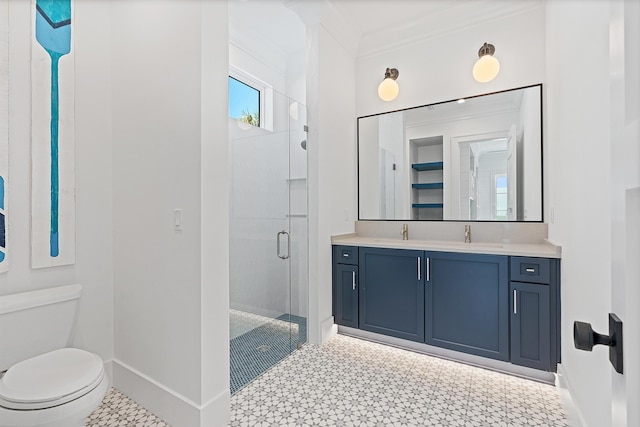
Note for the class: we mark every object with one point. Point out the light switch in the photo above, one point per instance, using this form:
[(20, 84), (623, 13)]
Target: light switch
[(177, 219)]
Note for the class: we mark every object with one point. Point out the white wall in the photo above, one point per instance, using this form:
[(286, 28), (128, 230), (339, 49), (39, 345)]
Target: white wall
[(332, 159), (579, 174), (170, 151), (214, 196), (369, 170), (528, 144), (435, 69), (94, 247), (439, 68)]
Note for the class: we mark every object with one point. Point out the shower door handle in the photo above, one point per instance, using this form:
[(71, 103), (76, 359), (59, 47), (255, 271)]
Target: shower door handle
[(288, 245)]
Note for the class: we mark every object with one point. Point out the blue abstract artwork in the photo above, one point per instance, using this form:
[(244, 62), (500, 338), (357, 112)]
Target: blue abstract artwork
[(52, 135), (53, 33)]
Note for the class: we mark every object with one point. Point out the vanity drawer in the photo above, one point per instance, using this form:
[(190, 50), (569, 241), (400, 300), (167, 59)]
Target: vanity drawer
[(532, 270), (346, 254)]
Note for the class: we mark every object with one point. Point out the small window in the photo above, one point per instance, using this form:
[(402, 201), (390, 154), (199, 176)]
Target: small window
[(501, 197), (244, 102)]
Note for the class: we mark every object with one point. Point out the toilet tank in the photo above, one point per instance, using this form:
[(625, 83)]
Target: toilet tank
[(36, 322)]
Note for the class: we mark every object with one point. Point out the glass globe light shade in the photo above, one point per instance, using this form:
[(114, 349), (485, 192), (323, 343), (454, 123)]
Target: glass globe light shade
[(486, 69), (388, 89)]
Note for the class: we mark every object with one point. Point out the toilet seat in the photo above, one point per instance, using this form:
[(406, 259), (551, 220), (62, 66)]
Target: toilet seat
[(50, 379)]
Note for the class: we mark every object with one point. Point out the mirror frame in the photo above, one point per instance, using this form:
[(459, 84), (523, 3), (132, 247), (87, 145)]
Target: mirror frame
[(542, 193)]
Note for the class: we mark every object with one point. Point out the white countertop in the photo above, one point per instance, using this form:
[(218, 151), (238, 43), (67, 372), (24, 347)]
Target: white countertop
[(543, 250)]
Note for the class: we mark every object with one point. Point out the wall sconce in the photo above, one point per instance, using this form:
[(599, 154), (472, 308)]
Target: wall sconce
[(487, 66), (388, 88)]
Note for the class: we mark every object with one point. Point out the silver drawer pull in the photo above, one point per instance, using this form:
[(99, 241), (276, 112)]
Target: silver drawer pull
[(531, 270), (354, 280)]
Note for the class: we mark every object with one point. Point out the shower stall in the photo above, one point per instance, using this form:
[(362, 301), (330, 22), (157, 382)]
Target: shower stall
[(268, 239)]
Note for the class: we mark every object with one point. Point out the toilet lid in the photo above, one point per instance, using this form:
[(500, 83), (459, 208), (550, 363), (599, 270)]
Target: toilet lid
[(50, 379)]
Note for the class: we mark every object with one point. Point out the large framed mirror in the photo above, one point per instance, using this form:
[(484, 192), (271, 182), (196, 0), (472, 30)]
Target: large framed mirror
[(472, 159)]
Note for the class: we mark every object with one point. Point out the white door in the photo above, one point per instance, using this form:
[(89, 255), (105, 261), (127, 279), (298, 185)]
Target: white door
[(512, 175), (625, 195), (387, 184)]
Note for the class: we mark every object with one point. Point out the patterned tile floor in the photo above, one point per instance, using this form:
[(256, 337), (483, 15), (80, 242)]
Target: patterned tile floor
[(351, 382), (118, 410)]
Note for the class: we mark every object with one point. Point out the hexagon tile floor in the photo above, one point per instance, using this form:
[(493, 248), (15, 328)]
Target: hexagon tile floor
[(351, 382)]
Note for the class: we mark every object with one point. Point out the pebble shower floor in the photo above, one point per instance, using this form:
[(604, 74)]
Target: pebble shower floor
[(351, 382)]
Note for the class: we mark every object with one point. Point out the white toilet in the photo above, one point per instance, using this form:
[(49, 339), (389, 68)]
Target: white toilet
[(42, 381)]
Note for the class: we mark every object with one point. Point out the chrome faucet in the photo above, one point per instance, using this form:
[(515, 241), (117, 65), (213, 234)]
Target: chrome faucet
[(467, 233), (405, 232)]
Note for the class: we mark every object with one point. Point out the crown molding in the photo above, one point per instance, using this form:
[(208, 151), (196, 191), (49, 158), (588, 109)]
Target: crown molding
[(331, 16), (442, 22)]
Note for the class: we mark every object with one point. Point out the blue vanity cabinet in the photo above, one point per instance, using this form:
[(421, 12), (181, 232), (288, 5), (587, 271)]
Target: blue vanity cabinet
[(466, 304), (533, 302), (392, 292), (346, 313), (345, 285), (496, 306), (530, 331)]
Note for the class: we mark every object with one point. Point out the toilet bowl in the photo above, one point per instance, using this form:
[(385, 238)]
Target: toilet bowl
[(58, 388), (43, 383)]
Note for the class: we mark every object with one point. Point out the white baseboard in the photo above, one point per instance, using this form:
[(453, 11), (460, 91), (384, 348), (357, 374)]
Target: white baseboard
[(108, 368), (328, 329), (574, 416), (172, 407)]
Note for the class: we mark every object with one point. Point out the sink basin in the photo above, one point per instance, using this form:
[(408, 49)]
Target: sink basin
[(440, 244)]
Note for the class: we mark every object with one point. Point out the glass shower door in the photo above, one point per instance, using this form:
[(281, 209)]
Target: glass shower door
[(267, 242)]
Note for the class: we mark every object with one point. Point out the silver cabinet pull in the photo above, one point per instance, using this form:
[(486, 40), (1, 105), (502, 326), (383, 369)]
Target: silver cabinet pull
[(531, 270), (354, 280), (278, 245), (419, 272), (428, 269), (515, 302)]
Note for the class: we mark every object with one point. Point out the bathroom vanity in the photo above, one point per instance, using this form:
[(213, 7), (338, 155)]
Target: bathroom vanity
[(498, 301), (492, 299)]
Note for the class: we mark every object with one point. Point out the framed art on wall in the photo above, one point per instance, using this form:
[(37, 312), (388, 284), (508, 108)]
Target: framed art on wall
[(52, 135)]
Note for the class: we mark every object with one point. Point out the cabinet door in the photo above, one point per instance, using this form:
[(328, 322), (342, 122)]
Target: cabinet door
[(392, 292), (466, 307), (346, 298), (530, 331)]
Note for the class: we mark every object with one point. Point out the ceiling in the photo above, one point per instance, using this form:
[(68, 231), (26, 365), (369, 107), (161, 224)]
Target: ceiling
[(380, 24), (387, 25), (479, 106), (371, 16)]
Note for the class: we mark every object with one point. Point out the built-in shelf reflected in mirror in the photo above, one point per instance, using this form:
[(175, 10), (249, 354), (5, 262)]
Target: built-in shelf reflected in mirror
[(476, 159)]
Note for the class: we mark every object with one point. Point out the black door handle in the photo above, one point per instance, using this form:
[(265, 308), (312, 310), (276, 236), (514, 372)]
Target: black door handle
[(584, 338)]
